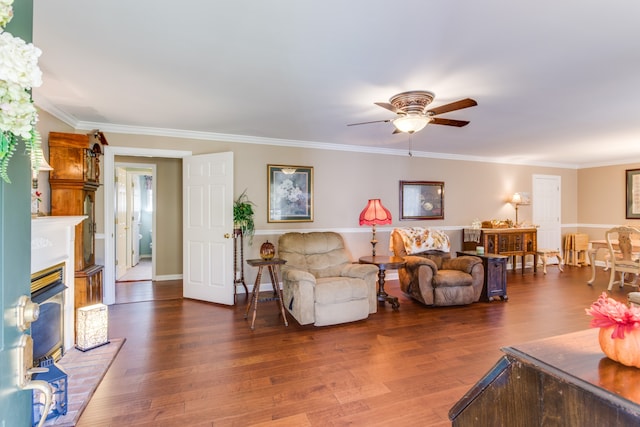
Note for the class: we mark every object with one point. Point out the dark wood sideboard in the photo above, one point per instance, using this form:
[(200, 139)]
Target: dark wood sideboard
[(559, 381), (515, 242)]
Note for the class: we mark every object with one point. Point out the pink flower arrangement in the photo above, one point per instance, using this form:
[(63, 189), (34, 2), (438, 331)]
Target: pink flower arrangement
[(608, 312)]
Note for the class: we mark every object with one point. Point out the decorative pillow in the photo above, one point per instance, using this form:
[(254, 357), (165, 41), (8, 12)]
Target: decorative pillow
[(420, 239)]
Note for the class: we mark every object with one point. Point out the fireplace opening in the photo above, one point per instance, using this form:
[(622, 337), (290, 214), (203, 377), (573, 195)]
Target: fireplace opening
[(47, 289)]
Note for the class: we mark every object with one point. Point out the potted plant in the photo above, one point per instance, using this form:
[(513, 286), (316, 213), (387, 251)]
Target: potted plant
[(243, 215)]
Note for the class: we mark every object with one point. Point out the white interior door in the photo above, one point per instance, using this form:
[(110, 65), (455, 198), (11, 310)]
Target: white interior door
[(121, 222), (135, 220), (546, 210), (207, 217)]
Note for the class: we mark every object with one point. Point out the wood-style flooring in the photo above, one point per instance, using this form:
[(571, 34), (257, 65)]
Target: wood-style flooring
[(190, 363)]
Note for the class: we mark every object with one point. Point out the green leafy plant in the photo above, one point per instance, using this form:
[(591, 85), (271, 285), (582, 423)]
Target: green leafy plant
[(243, 215)]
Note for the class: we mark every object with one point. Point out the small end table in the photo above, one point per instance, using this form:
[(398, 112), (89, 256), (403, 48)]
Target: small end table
[(495, 275), (384, 263), (272, 265)]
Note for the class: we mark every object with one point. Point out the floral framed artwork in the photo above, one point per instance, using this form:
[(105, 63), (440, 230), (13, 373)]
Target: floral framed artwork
[(290, 193), (421, 200), (633, 193)]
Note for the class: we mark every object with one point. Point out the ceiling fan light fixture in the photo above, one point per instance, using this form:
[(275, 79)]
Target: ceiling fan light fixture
[(411, 123)]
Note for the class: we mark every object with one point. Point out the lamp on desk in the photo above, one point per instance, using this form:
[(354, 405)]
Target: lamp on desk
[(519, 199), (374, 213)]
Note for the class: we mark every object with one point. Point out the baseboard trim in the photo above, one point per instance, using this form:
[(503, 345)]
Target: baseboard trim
[(164, 277)]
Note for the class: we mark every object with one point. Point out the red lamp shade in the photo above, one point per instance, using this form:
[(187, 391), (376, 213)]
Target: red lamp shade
[(374, 213)]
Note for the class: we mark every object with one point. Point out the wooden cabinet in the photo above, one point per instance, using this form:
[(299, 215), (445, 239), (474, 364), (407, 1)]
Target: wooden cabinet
[(74, 180), (516, 242), (559, 381), (495, 275)]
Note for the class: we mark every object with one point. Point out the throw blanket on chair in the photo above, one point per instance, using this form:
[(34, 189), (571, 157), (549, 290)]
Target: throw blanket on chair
[(420, 239)]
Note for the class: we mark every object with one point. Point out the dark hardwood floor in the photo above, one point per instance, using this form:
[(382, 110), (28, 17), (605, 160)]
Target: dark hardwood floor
[(139, 291), (189, 363)]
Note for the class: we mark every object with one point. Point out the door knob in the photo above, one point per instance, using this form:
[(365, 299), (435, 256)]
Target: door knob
[(227, 235), (27, 312)]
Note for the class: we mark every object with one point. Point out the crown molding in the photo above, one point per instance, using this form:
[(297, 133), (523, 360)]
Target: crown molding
[(244, 139)]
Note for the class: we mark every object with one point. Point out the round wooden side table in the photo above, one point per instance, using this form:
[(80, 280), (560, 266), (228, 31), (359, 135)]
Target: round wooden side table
[(384, 263)]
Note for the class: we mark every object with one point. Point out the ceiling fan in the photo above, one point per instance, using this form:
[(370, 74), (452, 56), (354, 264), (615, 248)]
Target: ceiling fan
[(413, 115)]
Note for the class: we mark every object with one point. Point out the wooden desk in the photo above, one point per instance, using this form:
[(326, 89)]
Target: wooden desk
[(515, 242), (562, 380), (596, 245), (273, 266), (384, 263)]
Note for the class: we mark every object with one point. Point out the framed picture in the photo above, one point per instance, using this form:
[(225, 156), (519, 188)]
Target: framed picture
[(421, 200), (633, 193), (290, 190)]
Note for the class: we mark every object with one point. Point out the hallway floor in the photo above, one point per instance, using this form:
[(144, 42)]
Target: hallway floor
[(142, 271)]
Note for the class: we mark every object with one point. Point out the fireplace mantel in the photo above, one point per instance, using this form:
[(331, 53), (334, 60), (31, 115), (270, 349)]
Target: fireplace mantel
[(52, 243)]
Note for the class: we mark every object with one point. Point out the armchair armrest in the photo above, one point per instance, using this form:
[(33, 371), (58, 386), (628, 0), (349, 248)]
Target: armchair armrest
[(359, 271), (290, 274), (416, 278), (298, 292), (369, 274), (462, 263)]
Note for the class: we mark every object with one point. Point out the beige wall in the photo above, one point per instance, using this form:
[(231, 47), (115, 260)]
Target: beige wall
[(343, 181), (602, 199), (47, 123)]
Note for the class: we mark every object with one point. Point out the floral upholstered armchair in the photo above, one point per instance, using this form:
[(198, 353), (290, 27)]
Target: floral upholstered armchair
[(430, 275)]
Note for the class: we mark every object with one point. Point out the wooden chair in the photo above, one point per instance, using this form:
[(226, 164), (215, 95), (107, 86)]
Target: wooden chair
[(621, 258)]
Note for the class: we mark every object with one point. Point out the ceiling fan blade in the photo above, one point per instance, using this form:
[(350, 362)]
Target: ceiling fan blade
[(458, 105), (366, 123), (448, 122), (387, 106)]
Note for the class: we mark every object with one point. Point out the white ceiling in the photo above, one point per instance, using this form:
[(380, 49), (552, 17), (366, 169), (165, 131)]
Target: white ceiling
[(557, 82)]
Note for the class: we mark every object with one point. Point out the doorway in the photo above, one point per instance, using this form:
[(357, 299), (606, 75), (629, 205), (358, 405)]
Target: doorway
[(110, 154), (134, 221)]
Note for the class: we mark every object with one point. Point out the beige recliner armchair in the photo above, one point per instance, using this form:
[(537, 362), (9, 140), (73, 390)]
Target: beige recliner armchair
[(430, 275), (320, 284)]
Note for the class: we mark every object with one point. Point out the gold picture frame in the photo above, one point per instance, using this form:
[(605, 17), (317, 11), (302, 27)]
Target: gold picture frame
[(290, 193), (633, 193)]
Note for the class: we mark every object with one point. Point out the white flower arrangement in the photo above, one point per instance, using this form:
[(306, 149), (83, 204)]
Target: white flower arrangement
[(6, 12), (288, 191), (19, 73)]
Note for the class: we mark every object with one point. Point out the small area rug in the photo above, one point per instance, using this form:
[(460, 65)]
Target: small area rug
[(85, 370)]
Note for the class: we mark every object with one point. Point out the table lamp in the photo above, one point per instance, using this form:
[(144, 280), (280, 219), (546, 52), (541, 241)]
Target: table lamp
[(374, 213), (518, 199)]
